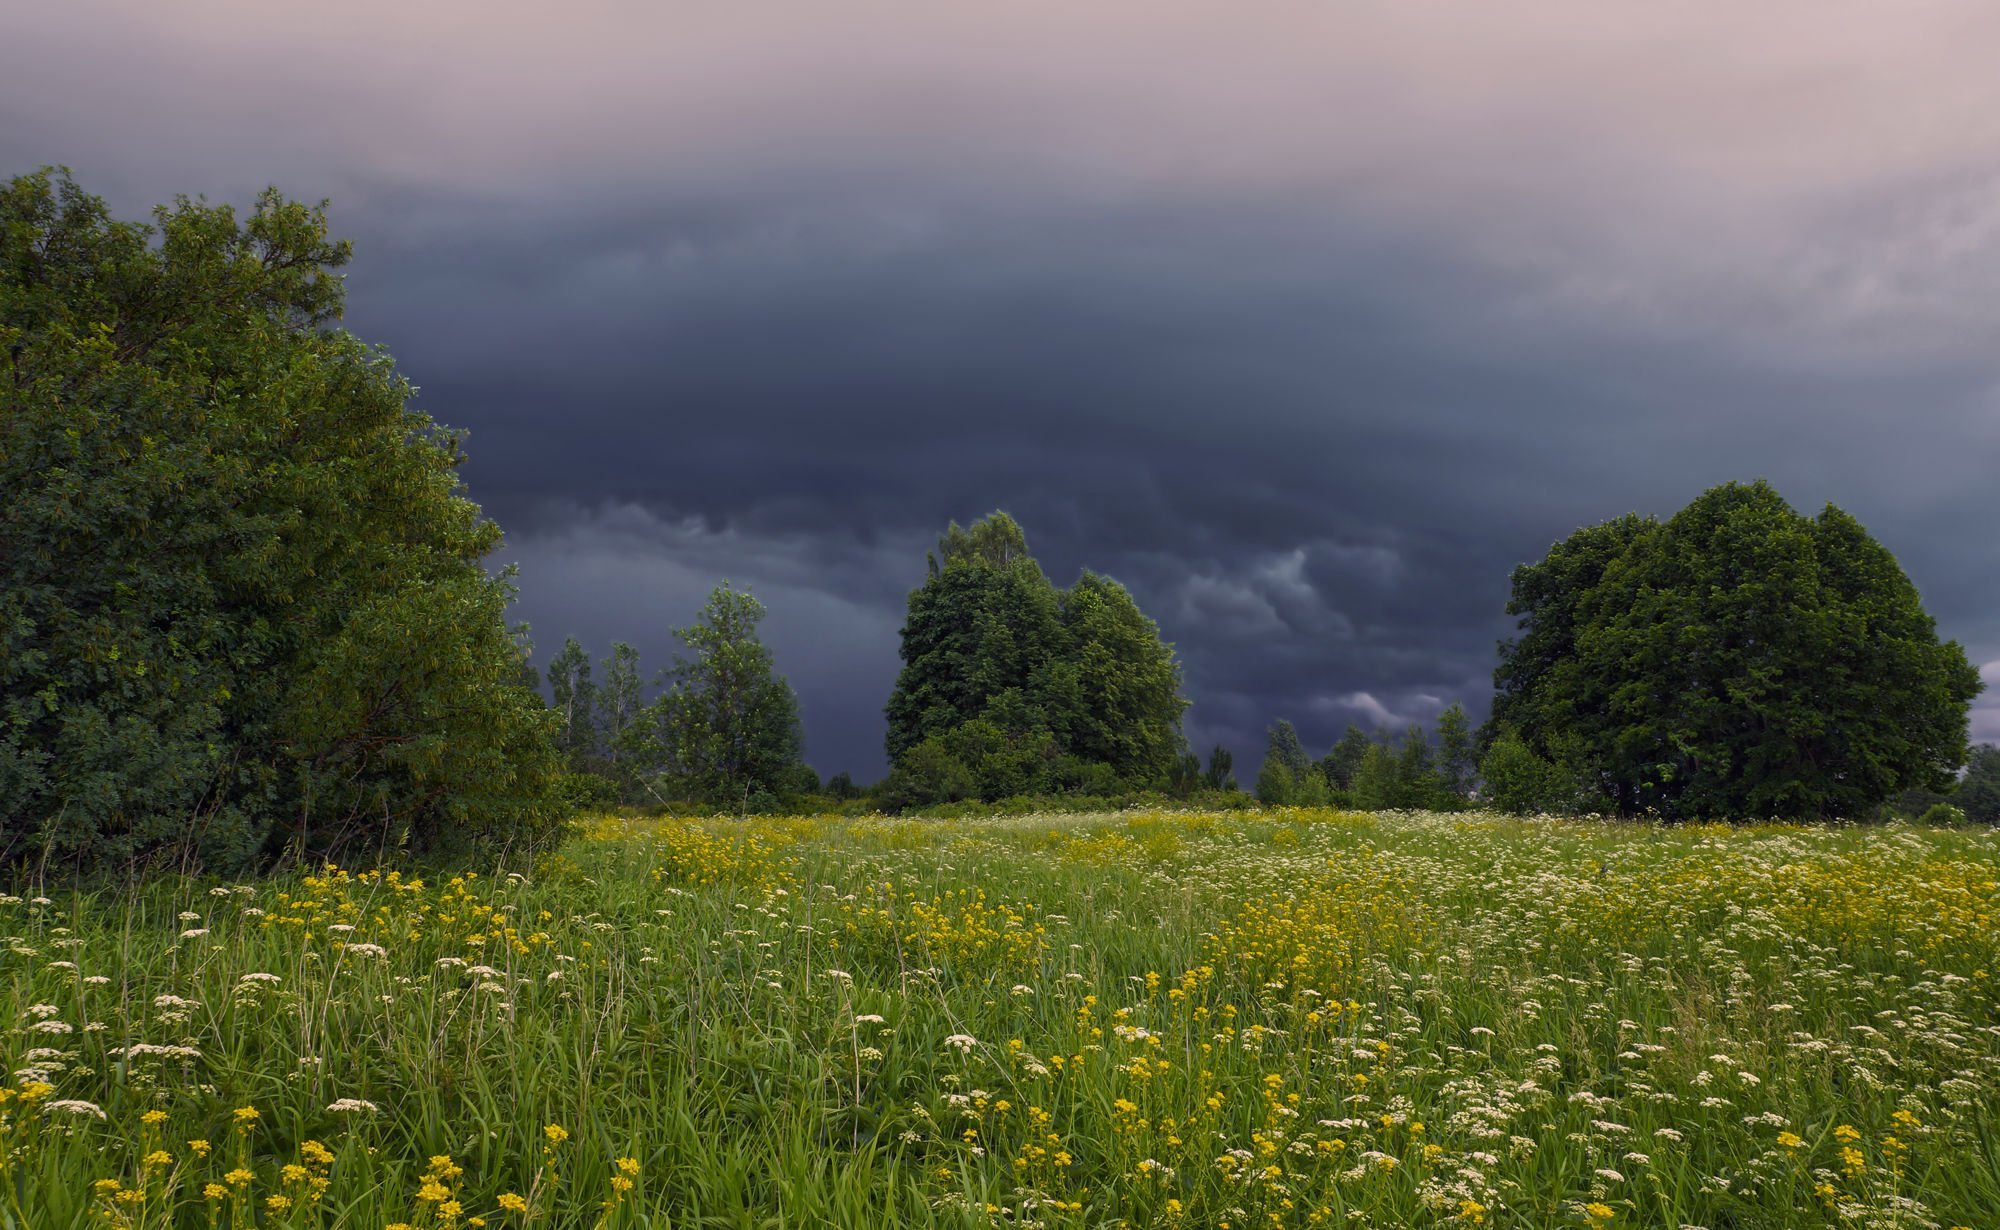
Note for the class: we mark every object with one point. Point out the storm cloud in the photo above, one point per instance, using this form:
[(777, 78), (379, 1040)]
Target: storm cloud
[(1308, 322)]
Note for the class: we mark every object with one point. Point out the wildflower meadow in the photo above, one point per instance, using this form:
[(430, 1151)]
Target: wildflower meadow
[(1276, 1019)]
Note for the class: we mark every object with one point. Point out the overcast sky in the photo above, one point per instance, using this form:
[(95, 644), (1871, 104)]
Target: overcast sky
[(1308, 321)]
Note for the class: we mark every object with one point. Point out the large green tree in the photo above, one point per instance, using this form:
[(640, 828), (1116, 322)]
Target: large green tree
[(242, 601), (728, 725), (1738, 660), (1044, 689)]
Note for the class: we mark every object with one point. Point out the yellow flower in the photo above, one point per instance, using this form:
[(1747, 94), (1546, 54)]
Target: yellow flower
[(1596, 1211), (107, 1187), (238, 1177), (277, 1204), (620, 1184), (153, 1118), (215, 1191), (245, 1116), (1790, 1140), (158, 1157), (555, 1134), (1846, 1132), (199, 1147), (629, 1165), (513, 1203)]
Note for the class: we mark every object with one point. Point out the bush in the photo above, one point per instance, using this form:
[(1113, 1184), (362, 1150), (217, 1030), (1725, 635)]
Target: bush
[(1943, 815)]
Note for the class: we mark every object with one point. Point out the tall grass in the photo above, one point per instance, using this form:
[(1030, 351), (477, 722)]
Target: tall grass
[(1154, 1019)]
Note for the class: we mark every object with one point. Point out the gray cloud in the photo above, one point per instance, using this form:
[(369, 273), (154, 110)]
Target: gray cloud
[(1307, 322)]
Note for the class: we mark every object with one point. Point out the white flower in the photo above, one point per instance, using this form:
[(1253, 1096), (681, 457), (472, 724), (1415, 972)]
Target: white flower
[(869, 1018), (96, 980), (72, 1106), (964, 1043), (260, 977), (174, 1001), (43, 1010), (194, 933), (51, 1027), (349, 1105), (368, 950)]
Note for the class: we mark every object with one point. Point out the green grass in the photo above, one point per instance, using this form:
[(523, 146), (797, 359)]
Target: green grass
[(1153, 1019)]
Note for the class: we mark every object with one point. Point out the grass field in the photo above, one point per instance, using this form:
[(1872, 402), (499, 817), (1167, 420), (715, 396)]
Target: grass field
[(1284, 1019)]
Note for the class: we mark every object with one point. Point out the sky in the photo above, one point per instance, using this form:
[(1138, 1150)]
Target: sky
[(1308, 321)]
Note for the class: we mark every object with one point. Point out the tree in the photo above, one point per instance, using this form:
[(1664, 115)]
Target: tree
[(982, 625), (1375, 786), (1127, 705), (1519, 781), (1343, 760), (1027, 687), (728, 725), (243, 608), (1978, 793), (1221, 774), (1738, 660), (574, 698), (1457, 765), (1287, 777), (626, 742), (1274, 782), (1416, 780)]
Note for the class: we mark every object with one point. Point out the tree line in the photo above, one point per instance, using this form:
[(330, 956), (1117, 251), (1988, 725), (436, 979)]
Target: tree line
[(245, 615)]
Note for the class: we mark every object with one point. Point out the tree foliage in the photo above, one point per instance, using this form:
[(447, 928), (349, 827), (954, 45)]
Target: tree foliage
[(1029, 688), (242, 608), (1738, 660), (728, 725), (1978, 793)]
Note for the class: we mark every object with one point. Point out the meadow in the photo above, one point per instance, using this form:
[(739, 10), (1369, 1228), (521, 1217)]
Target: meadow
[(1274, 1019)]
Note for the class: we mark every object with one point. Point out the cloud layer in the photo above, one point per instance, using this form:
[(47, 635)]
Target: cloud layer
[(1308, 322)]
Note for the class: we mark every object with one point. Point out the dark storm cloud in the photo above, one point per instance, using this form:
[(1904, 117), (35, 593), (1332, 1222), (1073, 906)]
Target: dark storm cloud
[(1308, 349)]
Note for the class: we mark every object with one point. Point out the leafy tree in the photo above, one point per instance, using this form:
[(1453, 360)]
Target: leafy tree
[(841, 786), (981, 626), (1457, 764), (1127, 705), (626, 742), (1978, 793), (574, 698), (1221, 774), (1185, 777), (926, 774), (1022, 684), (1519, 781), (1287, 776), (1275, 785), (243, 608), (1375, 785), (728, 725), (1344, 759), (1738, 660), (1416, 777)]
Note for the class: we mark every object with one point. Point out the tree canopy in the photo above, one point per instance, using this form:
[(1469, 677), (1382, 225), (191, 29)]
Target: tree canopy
[(728, 725), (242, 604), (1738, 660), (1010, 685)]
